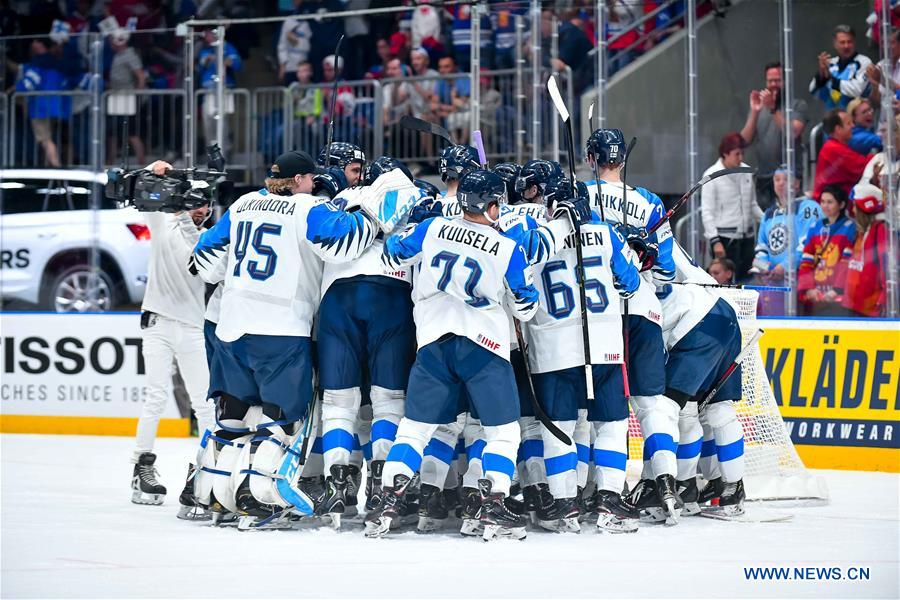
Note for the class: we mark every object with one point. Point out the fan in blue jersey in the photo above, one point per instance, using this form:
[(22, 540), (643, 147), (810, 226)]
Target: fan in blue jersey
[(703, 337), (349, 157), (465, 271), (642, 210)]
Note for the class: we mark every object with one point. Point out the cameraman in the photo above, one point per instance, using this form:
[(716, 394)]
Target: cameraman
[(172, 326)]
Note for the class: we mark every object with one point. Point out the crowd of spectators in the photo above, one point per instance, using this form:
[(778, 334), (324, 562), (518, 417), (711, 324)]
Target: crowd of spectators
[(835, 239)]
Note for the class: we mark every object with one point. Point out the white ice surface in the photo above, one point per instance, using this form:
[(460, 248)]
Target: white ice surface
[(69, 530)]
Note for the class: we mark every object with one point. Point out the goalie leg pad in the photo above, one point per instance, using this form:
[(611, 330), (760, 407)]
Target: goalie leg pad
[(658, 417), (690, 441), (270, 453), (207, 460), (339, 412), (232, 460), (729, 437)]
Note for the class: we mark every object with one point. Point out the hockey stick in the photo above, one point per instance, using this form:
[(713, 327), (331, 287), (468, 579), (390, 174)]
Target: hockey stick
[(415, 124), (731, 368), (334, 88), (726, 286), (596, 166), (591, 117), (479, 145), (539, 413), (556, 97), (626, 329), (703, 181)]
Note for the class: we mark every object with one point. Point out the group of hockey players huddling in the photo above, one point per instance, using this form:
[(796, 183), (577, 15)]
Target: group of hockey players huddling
[(399, 308)]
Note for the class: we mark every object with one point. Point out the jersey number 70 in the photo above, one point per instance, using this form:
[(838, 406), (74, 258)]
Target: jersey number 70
[(247, 236)]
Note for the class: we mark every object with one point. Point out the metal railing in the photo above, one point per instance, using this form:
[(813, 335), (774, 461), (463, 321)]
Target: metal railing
[(49, 129), (237, 136), (152, 119)]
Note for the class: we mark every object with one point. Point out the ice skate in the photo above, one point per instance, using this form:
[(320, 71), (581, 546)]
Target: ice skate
[(731, 501), (614, 514), (560, 516), (190, 509), (145, 489), (351, 508), (711, 491), (256, 516), (646, 501), (379, 522), (433, 511), (537, 498), (689, 494), (496, 517), (471, 513), (668, 499), (333, 502), (373, 486)]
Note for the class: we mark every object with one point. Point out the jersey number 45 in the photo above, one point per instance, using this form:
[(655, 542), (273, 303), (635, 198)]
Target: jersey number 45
[(262, 267)]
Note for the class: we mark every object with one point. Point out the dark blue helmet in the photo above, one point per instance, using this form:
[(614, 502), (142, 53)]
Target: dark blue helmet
[(479, 189), (537, 172), (607, 146), (509, 172), (342, 154), (429, 188), (456, 161), (560, 188), (382, 165)]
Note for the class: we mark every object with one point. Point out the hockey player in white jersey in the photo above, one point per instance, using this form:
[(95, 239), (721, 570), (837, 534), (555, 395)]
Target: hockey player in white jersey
[(366, 338), (455, 163), (642, 209), (350, 158), (703, 337), (465, 270)]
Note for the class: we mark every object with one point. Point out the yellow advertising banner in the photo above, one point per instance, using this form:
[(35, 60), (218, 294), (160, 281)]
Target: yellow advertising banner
[(836, 383)]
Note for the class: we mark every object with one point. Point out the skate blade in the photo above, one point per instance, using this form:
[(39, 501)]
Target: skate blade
[(334, 519), (608, 523), (193, 513), (653, 514), (471, 528), (429, 524), (673, 514), (690, 509), (251, 523), (138, 497), (223, 519), (378, 528), (492, 532), (566, 525)]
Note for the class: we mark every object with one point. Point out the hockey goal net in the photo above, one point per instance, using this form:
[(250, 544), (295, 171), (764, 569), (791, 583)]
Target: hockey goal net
[(774, 470)]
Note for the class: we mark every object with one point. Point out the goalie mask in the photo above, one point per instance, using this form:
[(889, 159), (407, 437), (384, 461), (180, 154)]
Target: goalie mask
[(607, 146), (456, 161), (479, 190)]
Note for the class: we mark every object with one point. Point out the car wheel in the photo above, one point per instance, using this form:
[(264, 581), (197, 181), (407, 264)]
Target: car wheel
[(76, 290)]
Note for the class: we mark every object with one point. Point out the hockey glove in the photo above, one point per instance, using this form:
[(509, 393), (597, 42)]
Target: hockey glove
[(646, 248), (425, 210), (578, 210), (330, 183)]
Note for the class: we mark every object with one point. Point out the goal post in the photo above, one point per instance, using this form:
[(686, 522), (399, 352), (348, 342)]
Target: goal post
[(774, 470)]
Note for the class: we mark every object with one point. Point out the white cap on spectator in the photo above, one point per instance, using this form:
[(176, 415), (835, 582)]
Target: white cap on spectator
[(420, 50), (329, 61), (120, 36)]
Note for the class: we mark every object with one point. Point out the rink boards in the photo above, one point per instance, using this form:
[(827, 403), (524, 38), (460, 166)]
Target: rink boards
[(835, 381)]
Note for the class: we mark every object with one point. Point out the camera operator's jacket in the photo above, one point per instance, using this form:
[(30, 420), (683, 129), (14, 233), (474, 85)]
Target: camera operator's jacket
[(269, 251), (171, 290)]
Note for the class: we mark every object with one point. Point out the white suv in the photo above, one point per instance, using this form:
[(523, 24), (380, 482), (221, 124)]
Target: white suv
[(47, 232)]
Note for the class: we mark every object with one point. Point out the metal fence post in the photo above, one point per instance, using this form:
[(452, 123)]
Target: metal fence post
[(190, 107), (474, 69), (520, 91), (601, 64), (790, 275), (692, 99), (536, 87)]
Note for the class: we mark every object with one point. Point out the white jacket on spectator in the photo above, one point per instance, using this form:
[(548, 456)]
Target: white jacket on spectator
[(292, 54), (728, 205)]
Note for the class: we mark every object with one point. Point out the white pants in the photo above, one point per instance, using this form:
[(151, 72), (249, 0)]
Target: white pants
[(164, 341)]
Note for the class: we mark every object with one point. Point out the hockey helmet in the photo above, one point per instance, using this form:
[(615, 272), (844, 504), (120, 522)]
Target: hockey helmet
[(867, 198), (342, 154), (537, 172), (458, 160), (560, 188), (480, 189), (607, 146), (509, 172), (382, 165), (428, 188)]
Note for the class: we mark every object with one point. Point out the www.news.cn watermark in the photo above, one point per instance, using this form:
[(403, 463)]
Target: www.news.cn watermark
[(807, 573)]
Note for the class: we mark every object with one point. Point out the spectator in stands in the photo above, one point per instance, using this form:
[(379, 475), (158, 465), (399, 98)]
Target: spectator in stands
[(875, 167), (424, 24), (359, 40), (781, 239), (396, 96), (383, 48), (884, 92), (841, 78), (838, 164), (574, 46), (421, 95), (729, 209), (344, 104), (822, 275), (621, 34), (490, 105), (293, 46), (461, 36), (451, 100), (42, 73), (325, 32), (400, 46), (307, 110), (208, 69), (866, 291), (764, 128), (126, 73), (863, 139), (722, 270), (503, 24)]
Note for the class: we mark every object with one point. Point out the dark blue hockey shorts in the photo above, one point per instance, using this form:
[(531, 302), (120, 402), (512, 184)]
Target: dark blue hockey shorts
[(704, 354), (213, 352), (646, 353), (366, 327), (562, 393), (275, 369), (448, 366), (517, 359)]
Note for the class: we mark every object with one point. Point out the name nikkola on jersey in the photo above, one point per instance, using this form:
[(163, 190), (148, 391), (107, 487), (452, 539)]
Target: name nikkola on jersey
[(461, 235), (616, 203)]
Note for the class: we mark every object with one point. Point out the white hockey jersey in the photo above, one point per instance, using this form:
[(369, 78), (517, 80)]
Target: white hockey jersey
[(555, 337), (464, 273), (272, 274), (684, 306)]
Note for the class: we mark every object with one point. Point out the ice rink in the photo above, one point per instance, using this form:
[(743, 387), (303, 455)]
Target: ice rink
[(69, 530)]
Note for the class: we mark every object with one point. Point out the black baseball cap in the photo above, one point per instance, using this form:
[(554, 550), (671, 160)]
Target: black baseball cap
[(295, 162)]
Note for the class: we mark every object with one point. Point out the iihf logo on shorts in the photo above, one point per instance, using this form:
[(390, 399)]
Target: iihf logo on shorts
[(778, 238)]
